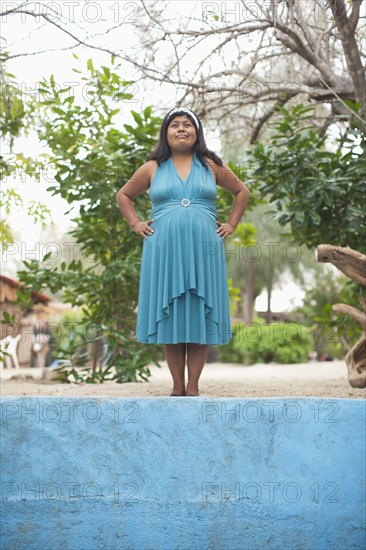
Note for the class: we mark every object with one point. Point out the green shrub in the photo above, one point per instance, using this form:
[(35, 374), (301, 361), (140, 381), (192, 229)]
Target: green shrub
[(259, 342)]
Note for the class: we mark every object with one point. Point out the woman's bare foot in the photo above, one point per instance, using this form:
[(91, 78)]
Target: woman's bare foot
[(177, 393), (192, 390)]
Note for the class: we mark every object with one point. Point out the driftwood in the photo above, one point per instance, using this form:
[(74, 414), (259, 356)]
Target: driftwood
[(352, 264)]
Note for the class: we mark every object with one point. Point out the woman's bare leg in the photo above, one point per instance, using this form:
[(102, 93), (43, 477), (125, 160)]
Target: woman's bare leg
[(196, 358), (175, 355)]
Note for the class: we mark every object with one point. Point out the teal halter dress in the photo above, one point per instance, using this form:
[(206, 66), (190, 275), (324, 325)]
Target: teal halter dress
[(183, 291)]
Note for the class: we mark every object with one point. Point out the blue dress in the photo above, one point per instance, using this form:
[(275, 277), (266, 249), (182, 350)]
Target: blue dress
[(183, 291)]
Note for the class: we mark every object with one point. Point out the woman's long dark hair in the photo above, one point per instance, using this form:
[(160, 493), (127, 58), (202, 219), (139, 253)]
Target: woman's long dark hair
[(162, 151)]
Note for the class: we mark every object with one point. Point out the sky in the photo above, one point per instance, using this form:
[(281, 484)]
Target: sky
[(25, 35)]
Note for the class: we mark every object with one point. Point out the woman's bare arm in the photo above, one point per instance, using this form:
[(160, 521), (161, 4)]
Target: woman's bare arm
[(137, 184), (226, 178)]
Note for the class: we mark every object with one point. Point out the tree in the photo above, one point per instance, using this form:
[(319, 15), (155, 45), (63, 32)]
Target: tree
[(286, 50), (318, 192), (264, 264), (92, 158), (17, 118)]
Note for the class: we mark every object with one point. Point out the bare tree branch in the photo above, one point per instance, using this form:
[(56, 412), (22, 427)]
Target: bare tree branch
[(355, 15), (284, 52), (350, 47)]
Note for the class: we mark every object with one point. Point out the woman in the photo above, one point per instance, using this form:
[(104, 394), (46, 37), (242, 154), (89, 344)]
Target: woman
[(183, 293)]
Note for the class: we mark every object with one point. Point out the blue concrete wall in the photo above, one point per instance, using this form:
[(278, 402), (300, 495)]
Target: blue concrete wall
[(183, 473)]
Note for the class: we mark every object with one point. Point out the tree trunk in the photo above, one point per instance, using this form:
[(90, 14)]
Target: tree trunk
[(269, 311), (249, 293), (213, 354), (269, 293), (346, 27)]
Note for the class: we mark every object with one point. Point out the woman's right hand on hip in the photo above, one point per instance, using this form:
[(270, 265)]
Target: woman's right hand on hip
[(143, 228)]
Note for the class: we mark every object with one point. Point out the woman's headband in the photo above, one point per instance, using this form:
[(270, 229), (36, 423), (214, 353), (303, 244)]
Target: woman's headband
[(178, 110)]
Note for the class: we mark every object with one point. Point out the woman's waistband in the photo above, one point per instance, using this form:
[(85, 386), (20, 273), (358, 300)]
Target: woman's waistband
[(207, 205)]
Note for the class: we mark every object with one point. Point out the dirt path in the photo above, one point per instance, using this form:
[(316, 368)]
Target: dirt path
[(328, 379)]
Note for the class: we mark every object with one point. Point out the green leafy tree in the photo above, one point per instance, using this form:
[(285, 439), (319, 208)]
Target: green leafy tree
[(93, 156), (318, 192), (17, 119)]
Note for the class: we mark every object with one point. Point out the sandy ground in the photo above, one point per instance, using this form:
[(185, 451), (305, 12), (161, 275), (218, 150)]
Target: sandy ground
[(314, 379)]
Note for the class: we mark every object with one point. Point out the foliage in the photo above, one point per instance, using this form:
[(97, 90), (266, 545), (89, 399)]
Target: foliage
[(319, 193), (234, 295), (92, 158), (13, 110), (334, 333), (17, 118), (259, 342), (272, 256), (244, 235)]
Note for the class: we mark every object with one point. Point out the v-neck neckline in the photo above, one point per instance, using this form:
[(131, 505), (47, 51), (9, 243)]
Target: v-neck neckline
[(176, 171)]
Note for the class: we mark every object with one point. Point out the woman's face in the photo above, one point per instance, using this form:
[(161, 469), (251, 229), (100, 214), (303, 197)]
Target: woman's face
[(181, 134)]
